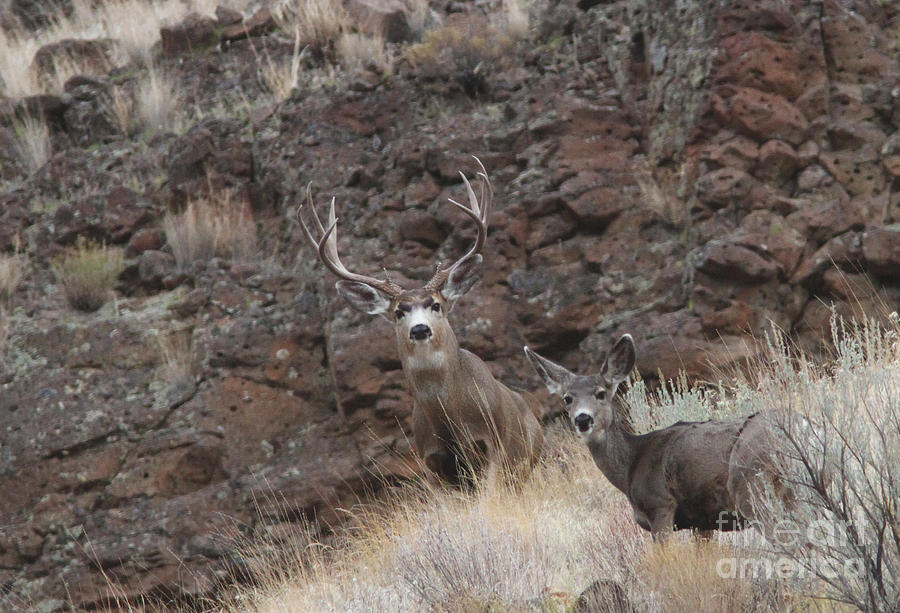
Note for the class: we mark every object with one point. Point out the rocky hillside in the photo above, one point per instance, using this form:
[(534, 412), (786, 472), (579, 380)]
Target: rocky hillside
[(683, 173)]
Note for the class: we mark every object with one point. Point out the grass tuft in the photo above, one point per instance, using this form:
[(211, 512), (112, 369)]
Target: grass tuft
[(88, 273), (32, 142), (206, 229)]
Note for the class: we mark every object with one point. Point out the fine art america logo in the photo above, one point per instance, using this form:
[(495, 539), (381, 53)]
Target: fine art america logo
[(821, 547)]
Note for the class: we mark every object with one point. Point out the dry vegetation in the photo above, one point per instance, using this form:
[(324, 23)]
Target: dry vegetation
[(12, 269), (538, 546), (88, 273), (133, 24), (206, 229), (32, 142)]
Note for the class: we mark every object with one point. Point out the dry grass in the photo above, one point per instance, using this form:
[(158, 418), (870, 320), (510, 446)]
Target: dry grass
[(88, 273), (32, 142), (282, 76), (420, 17), (317, 23), (133, 24), (534, 547), (514, 19), (208, 229), (355, 51), (158, 102), (537, 546), (12, 269), (178, 361)]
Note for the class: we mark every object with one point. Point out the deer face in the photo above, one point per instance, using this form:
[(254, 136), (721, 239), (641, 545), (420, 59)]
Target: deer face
[(588, 398), (419, 316)]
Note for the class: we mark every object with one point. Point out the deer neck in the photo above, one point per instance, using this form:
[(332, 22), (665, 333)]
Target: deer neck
[(432, 369), (614, 452)]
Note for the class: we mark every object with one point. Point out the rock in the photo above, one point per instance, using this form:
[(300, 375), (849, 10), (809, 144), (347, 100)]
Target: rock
[(91, 56), (730, 260), (604, 596), (596, 208), (145, 239), (771, 234), (227, 16), (260, 23), (385, 18), (825, 213), (812, 177), (726, 187), (845, 249), (88, 118), (778, 162), (753, 59), (546, 230), (859, 172), (153, 267), (36, 14), (761, 114), (881, 251), (47, 106), (421, 226), (192, 34), (738, 152), (208, 158), (110, 217)]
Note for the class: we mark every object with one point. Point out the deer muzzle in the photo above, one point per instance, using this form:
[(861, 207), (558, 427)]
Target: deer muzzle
[(584, 422), (419, 332)]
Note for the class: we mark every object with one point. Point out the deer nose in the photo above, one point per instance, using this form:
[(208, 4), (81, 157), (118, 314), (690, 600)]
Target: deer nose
[(583, 422), (419, 332)]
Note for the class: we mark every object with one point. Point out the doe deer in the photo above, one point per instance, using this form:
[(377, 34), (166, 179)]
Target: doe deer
[(690, 475), (463, 419)]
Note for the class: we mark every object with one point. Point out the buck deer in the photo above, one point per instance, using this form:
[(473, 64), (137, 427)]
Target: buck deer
[(463, 419), (690, 475)]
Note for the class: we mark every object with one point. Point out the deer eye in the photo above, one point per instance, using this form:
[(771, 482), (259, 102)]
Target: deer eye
[(567, 399), (600, 394), (436, 307), (399, 314)]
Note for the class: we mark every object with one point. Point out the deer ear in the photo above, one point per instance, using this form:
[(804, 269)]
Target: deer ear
[(363, 297), (461, 278), (620, 361), (555, 377)]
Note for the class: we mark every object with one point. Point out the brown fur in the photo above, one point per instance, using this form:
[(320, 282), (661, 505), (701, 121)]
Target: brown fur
[(690, 475), (463, 418)]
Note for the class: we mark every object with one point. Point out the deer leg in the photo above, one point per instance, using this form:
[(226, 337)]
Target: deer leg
[(662, 524)]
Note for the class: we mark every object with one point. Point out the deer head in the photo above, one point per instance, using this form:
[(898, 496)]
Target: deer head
[(419, 315), (588, 398)]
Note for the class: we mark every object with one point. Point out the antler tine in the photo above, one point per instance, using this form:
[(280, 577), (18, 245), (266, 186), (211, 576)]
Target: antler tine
[(327, 249), (477, 212)]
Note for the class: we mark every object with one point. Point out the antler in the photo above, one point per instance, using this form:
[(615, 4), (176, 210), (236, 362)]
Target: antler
[(477, 213), (328, 252)]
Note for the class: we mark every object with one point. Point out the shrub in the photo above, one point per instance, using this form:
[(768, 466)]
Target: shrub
[(88, 273), (467, 52), (841, 430)]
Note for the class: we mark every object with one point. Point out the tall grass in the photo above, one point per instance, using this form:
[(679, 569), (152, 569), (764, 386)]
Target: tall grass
[(207, 228), (32, 142), (158, 102), (539, 545), (133, 24), (532, 547), (318, 23)]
